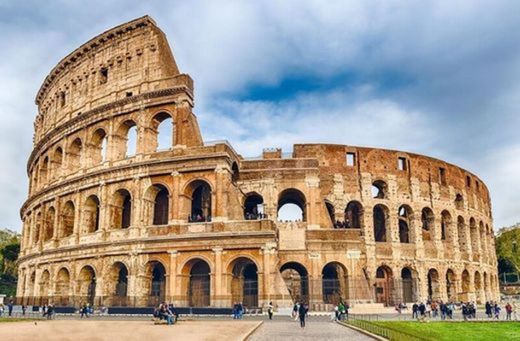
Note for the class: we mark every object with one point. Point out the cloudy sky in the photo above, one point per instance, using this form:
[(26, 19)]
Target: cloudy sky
[(423, 76)]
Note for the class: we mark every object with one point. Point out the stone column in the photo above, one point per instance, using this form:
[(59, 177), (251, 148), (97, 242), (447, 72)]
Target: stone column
[(176, 195), (217, 299), (315, 281), (312, 182), (172, 284)]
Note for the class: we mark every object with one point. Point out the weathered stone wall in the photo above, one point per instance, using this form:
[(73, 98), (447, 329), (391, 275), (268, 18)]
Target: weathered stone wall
[(161, 221)]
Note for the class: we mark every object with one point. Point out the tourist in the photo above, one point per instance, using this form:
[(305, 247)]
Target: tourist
[(509, 311), (341, 309), (24, 308), (435, 309), (1, 310), (415, 311), (489, 313), (335, 316), (241, 310), (428, 309), (496, 309), (235, 311), (296, 307), (444, 310), (10, 307), (451, 309), (302, 312), (166, 314), (422, 309), (270, 310)]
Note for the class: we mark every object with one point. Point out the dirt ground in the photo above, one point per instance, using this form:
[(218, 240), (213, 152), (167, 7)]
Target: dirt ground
[(79, 330)]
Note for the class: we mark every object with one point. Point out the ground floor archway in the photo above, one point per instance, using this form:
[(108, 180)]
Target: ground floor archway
[(296, 279), (244, 282), (334, 283)]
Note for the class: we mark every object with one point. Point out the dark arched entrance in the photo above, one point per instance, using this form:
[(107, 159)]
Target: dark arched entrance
[(296, 279), (199, 288), (334, 283), (244, 282)]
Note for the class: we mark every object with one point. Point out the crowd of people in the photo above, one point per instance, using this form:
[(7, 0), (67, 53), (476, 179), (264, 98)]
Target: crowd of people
[(435, 309), (166, 312), (340, 311), (345, 224), (238, 310)]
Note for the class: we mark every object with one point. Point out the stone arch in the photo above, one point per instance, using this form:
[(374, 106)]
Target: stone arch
[(44, 170), (244, 281), (428, 223), (125, 142), (156, 285), (292, 205), (473, 233), (384, 285), (354, 215), (86, 284), (434, 292), (67, 217), (57, 162), (117, 284), (62, 292), (446, 228), (465, 285), (461, 231), (331, 213), (253, 206), (158, 197), (197, 271), (451, 285), (121, 217), (334, 283), (235, 172), (200, 194), (48, 231), (296, 279), (37, 228), (44, 286), (74, 154), (98, 146), (405, 214), (408, 285), (163, 127), (381, 218), (379, 189), (91, 214), (480, 296), (459, 201)]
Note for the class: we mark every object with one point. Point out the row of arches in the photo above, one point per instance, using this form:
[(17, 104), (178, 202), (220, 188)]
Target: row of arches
[(99, 146)]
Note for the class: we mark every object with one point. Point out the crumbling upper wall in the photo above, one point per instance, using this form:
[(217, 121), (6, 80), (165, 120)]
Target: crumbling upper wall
[(124, 61)]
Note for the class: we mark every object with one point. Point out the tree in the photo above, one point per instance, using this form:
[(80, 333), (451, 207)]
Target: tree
[(508, 250)]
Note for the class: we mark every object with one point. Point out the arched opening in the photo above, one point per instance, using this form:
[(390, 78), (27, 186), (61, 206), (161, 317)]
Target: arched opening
[(161, 205), (122, 209), (380, 215), (354, 215), (433, 285), (44, 170), (56, 162), (235, 173), (291, 205), (473, 231), (465, 286), (332, 215), (44, 287), (37, 227), (463, 245), (87, 284), (405, 218), (49, 224), (67, 218), (334, 283), (244, 282), (200, 284), (478, 288), (459, 202), (384, 286), (74, 155), (200, 201), (157, 274), (62, 287), (118, 284), (446, 232), (451, 286), (164, 127), (428, 223), (91, 214), (253, 206), (127, 139), (99, 146), (407, 285), (379, 189), (296, 280)]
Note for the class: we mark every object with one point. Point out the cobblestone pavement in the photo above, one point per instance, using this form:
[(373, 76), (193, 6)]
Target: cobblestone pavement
[(316, 329)]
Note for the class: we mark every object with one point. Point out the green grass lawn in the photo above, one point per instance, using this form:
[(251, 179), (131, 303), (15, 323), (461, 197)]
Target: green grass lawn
[(438, 331)]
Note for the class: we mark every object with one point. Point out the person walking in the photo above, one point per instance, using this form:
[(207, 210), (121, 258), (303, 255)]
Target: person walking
[(296, 308), (270, 310), (496, 309), (509, 311), (489, 314), (10, 308), (415, 311), (302, 312)]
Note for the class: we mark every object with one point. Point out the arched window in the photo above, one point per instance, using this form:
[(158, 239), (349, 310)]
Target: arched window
[(49, 224), (86, 287), (445, 225), (161, 206), (126, 141), (380, 214), (99, 147), (354, 215), (253, 206), (163, 125), (291, 205), (474, 236), (235, 172), (91, 214), (379, 189), (461, 229), (57, 160), (332, 215), (74, 155), (200, 193), (44, 170), (68, 215), (122, 209), (37, 227), (428, 221), (405, 217), (459, 202)]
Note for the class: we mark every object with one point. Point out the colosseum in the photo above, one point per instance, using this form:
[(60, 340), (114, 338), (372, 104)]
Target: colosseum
[(128, 206)]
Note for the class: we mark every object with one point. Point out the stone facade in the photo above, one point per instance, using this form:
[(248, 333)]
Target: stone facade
[(197, 224)]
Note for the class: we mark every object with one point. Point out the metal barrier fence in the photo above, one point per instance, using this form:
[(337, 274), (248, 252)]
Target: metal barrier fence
[(366, 322)]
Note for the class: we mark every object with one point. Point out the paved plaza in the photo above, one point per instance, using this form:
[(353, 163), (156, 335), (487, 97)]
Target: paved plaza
[(96, 330)]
